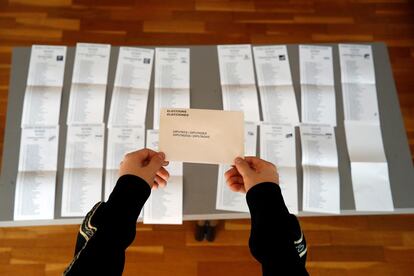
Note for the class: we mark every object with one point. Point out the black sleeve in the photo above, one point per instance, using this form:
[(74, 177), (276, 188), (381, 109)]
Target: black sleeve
[(272, 237), (108, 229)]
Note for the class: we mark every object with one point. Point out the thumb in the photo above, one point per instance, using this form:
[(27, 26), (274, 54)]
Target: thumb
[(242, 166), (156, 162)]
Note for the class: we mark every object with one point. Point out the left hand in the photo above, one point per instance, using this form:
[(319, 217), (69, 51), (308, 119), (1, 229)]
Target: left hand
[(148, 165)]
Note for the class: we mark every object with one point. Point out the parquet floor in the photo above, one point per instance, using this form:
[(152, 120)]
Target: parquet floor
[(365, 245)]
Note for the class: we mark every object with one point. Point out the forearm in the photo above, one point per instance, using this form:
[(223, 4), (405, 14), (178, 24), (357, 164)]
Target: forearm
[(271, 239), (124, 205), (111, 229)]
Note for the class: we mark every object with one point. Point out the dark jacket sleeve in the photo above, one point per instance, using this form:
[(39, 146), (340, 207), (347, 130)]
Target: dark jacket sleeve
[(272, 237), (108, 229)]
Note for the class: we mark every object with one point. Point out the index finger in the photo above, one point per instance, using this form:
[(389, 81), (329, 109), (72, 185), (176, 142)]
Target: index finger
[(144, 155), (255, 161), (231, 172)]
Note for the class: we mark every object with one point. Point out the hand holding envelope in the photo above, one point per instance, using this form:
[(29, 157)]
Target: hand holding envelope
[(201, 135)]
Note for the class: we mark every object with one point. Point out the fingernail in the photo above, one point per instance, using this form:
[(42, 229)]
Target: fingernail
[(238, 160), (161, 155)]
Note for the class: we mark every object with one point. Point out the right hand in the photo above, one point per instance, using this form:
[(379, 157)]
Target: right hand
[(248, 172)]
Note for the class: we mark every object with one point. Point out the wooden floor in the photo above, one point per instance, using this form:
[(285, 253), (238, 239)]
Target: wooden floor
[(368, 245), (376, 245)]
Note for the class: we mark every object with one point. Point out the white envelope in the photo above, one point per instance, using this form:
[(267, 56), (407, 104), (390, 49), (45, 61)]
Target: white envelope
[(201, 135)]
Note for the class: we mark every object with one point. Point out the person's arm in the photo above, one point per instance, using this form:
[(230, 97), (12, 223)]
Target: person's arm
[(109, 228), (272, 237), (274, 231)]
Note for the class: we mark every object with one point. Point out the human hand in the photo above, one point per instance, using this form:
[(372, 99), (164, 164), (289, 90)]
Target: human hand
[(148, 165), (249, 172)]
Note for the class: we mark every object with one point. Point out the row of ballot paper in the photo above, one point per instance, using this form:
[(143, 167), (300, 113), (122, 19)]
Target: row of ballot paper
[(85, 126)]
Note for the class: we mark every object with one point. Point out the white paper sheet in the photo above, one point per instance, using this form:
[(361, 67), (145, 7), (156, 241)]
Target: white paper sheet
[(357, 63), (36, 178), (121, 140), (277, 95), (279, 104), (237, 80), (278, 146), (241, 98), (86, 104), (321, 191), (358, 82), (44, 86), (84, 146), (35, 195), (371, 186), (38, 148), (317, 85), (225, 198), (250, 139), (152, 140), (41, 106), (360, 102), (82, 182), (364, 142), (172, 80), (272, 65), (91, 63), (172, 68), (369, 168), (88, 90), (165, 205), (318, 104), (130, 93), (316, 65), (128, 106), (47, 66), (134, 68), (82, 189)]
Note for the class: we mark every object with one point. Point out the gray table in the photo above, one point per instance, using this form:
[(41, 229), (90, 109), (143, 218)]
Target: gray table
[(200, 181)]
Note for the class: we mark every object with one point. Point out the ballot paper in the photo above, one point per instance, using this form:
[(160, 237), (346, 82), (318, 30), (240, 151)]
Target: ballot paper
[(41, 106), (44, 86), (132, 80), (82, 180), (38, 148), (369, 167), (277, 95), (359, 90), (35, 195), (172, 80), (357, 63), (320, 169), (317, 85), (88, 90), (278, 146), (91, 63), (201, 135), (237, 80), (121, 140), (36, 177), (47, 65), (165, 205), (225, 198)]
